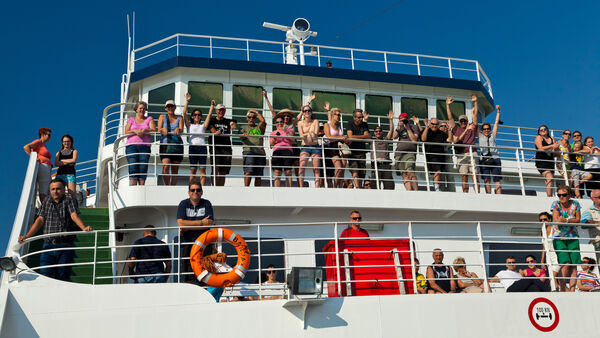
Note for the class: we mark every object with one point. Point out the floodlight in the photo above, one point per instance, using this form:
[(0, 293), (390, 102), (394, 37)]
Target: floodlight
[(305, 281), (301, 28), (7, 264)]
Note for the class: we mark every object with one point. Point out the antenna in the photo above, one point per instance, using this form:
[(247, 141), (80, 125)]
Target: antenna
[(298, 32)]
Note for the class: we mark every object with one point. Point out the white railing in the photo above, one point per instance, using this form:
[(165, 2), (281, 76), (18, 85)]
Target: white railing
[(316, 55), (519, 176), (473, 242)]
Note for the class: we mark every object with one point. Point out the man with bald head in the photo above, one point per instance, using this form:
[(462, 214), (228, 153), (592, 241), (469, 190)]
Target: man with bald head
[(592, 216), (435, 154)]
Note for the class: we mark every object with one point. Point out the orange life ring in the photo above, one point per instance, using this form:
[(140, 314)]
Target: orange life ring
[(225, 279)]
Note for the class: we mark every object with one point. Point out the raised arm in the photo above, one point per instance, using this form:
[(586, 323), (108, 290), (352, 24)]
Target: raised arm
[(497, 122), (425, 132), (416, 122), (311, 99), (263, 124), (264, 92), (390, 117), (209, 115), (475, 110), (186, 120)]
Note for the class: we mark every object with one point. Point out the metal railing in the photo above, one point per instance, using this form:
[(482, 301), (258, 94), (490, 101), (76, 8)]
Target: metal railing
[(482, 247), (518, 175), (315, 55)]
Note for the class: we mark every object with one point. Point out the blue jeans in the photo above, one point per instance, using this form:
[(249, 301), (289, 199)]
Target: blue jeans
[(137, 158), (57, 257), (151, 279)]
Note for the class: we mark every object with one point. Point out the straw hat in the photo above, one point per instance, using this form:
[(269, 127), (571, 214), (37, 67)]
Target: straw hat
[(284, 112)]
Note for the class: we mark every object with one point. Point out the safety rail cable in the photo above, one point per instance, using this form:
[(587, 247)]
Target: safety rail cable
[(478, 239)]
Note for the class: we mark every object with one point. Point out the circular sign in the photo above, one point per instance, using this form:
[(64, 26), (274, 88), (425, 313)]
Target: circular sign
[(543, 314)]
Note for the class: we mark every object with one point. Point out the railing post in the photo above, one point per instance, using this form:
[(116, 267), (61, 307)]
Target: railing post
[(477, 71), (213, 165), (259, 263), (210, 46), (486, 286), (95, 257), (473, 168), (247, 50), (318, 56), (520, 141), (385, 61), (283, 52), (418, 66), (425, 166), (352, 57), (324, 172), (450, 67), (520, 171), (337, 258), (376, 164), (177, 44), (564, 167), (412, 257), (179, 257)]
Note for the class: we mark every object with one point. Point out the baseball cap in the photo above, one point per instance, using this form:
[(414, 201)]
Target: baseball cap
[(220, 106), (403, 116), (169, 102), (463, 117)]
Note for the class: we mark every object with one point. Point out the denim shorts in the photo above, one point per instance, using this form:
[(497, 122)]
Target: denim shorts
[(311, 150), (198, 156)]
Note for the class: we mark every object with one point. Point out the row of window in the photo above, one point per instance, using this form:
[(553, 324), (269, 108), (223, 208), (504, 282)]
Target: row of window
[(248, 97)]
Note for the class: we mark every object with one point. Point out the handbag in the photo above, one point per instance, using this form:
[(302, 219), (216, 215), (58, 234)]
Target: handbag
[(344, 149), (487, 159)]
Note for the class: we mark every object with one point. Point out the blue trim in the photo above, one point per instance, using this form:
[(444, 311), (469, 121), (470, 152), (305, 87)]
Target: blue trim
[(268, 67)]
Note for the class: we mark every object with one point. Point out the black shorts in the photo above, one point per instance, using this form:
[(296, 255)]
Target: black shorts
[(357, 162), (223, 159), (173, 157), (436, 163), (282, 159)]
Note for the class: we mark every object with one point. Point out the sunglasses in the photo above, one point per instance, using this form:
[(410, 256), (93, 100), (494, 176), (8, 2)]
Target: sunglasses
[(486, 129), (338, 114), (530, 261), (307, 110), (170, 106), (356, 218), (250, 117), (566, 133), (194, 115), (577, 135), (434, 124), (279, 121), (543, 129), (195, 190), (358, 117), (562, 195), (511, 262), (378, 131), (544, 220)]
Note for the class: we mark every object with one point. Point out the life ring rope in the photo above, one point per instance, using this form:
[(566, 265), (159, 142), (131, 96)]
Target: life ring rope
[(216, 279)]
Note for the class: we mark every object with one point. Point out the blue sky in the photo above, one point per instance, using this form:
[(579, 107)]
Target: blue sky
[(62, 61)]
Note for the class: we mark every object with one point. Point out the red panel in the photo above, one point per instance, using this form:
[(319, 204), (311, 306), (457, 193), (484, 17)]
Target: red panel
[(372, 276)]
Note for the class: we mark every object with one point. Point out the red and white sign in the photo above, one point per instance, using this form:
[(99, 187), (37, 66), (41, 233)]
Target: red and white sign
[(543, 314)]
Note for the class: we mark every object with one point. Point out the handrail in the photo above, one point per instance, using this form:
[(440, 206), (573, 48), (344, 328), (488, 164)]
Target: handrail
[(476, 253)]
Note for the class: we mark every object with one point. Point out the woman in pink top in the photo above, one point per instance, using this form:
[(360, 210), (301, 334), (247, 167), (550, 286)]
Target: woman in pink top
[(43, 157), (138, 128), (334, 133), (282, 151)]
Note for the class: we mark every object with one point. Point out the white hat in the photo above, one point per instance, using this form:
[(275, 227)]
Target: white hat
[(169, 102)]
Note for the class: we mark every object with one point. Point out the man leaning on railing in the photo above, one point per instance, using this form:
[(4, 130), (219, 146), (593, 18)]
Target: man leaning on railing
[(57, 214), (149, 248)]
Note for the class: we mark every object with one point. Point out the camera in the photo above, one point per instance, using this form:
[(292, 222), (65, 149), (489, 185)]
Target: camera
[(277, 133)]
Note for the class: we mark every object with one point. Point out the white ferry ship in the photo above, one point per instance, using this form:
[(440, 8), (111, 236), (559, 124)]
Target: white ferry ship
[(369, 288)]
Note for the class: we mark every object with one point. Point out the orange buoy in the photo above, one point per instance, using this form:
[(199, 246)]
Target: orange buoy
[(220, 279)]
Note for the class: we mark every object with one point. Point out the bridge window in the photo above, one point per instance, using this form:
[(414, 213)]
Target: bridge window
[(457, 108), (284, 98), (346, 102), (202, 93), (158, 97), (414, 106), (378, 108)]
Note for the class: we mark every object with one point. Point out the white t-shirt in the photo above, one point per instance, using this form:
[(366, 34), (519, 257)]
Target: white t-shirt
[(197, 129), (507, 277)]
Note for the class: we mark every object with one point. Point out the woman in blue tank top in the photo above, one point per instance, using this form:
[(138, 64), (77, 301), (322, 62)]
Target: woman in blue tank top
[(171, 144)]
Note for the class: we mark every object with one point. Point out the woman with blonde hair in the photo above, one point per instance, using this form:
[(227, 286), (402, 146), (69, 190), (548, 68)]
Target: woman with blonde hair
[(334, 133), (467, 282)]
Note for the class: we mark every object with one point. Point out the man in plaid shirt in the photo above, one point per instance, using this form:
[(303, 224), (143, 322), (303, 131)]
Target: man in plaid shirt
[(57, 213)]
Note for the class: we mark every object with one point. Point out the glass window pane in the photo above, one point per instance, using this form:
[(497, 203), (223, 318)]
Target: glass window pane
[(202, 93), (245, 98), (378, 108), (160, 96), (345, 102), (457, 108), (287, 98), (415, 107)]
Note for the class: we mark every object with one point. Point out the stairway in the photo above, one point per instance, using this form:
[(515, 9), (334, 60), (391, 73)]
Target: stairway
[(97, 218)]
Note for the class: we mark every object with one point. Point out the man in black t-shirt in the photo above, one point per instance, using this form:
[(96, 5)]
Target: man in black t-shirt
[(222, 127), (356, 130), (147, 248), (435, 154)]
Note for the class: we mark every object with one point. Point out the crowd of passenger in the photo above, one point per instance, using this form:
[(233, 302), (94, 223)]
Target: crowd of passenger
[(301, 141)]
